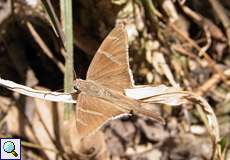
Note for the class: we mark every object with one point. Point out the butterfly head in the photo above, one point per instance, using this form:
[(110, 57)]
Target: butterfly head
[(88, 87), (78, 84)]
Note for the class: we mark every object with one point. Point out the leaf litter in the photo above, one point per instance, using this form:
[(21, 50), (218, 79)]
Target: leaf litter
[(191, 51)]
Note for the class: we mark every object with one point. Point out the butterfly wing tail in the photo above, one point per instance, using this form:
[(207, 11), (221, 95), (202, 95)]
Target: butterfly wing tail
[(149, 113)]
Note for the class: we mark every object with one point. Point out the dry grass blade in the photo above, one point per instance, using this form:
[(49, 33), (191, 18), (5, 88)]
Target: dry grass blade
[(57, 26), (45, 95), (173, 96)]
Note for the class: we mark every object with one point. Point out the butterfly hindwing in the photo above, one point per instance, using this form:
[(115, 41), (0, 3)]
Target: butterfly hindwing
[(93, 112)]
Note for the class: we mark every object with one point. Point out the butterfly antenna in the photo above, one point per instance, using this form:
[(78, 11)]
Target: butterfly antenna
[(74, 74), (59, 90)]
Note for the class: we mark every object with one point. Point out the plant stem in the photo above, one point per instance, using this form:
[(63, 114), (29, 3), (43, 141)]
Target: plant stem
[(66, 18)]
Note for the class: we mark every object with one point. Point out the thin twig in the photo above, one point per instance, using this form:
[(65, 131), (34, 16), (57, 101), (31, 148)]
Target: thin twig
[(221, 13), (43, 46), (209, 41), (206, 56)]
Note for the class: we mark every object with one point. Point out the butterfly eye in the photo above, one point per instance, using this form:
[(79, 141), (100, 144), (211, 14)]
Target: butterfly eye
[(76, 87)]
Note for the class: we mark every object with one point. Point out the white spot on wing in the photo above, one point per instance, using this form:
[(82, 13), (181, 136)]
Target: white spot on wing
[(131, 76), (113, 38), (90, 111), (109, 56), (81, 122)]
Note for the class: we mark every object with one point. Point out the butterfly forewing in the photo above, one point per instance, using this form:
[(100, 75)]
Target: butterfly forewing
[(93, 112), (110, 65)]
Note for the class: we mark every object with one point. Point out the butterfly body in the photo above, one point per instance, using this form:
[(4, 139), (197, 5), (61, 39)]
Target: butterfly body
[(93, 89)]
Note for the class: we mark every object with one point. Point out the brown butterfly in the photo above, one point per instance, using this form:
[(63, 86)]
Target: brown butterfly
[(101, 95)]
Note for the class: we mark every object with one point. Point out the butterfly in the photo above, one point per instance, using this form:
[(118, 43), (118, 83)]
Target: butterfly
[(101, 96)]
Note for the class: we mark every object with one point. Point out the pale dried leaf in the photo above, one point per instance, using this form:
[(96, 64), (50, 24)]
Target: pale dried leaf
[(157, 94), (45, 95)]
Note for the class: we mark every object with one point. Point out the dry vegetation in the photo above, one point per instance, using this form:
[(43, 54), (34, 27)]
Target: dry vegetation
[(184, 44)]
